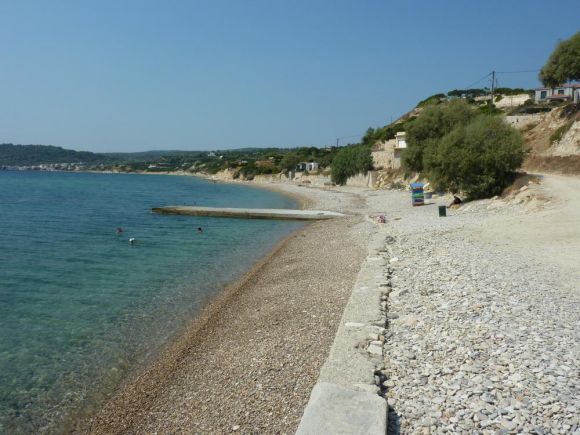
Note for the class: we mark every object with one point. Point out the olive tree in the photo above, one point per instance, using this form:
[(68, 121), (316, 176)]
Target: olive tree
[(563, 64), (478, 158)]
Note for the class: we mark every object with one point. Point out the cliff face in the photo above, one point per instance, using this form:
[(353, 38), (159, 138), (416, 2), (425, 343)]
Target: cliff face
[(553, 141), (540, 138)]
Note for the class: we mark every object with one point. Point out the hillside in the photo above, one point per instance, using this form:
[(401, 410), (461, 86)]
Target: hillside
[(553, 141), (551, 131), (29, 155)]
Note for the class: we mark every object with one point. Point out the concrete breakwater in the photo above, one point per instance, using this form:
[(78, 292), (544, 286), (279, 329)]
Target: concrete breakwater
[(248, 213)]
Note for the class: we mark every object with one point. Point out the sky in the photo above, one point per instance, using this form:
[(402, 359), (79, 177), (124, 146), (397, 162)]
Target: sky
[(128, 75)]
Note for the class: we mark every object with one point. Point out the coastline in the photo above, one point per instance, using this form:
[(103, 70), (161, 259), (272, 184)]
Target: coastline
[(142, 404), (303, 201)]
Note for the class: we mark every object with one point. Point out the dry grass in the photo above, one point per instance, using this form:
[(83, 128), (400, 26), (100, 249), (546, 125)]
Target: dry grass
[(522, 179), (567, 165)]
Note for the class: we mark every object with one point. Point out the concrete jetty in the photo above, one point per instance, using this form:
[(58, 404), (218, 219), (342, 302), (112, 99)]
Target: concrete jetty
[(249, 213)]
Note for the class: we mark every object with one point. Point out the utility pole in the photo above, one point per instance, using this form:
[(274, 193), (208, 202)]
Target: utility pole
[(337, 142), (492, 90)]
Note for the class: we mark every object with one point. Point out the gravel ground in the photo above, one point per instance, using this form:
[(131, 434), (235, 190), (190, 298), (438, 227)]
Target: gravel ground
[(250, 365), (482, 336)]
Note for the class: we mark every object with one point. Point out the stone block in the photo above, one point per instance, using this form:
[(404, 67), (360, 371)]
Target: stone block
[(337, 410)]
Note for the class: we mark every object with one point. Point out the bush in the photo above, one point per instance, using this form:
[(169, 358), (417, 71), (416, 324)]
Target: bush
[(560, 132), (349, 161), (433, 100), (479, 158), (530, 110), (289, 161), (490, 110), (434, 123)]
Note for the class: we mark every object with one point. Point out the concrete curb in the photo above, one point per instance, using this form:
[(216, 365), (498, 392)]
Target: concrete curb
[(337, 410), (345, 399)]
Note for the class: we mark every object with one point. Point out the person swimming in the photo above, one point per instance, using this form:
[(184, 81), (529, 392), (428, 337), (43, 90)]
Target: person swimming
[(119, 230), (199, 229), (132, 241)]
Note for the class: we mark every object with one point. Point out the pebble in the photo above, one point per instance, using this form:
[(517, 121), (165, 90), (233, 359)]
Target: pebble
[(481, 339)]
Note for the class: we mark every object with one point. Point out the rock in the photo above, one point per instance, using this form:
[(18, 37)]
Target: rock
[(508, 425), (478, 332), (375, 349)]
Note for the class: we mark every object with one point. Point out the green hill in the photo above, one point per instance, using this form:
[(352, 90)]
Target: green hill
[(27, 155)]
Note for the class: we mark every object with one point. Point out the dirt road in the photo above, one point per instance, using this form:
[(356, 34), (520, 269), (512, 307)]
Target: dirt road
[(552, 233)]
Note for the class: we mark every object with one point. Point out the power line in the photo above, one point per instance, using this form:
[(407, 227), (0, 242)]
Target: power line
[(476, 82), (518, 72), (348, 137)]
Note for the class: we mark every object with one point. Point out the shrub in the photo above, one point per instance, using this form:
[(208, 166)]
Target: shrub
[(560, 132), (434, 123), (349, 161), (289, 161), (433, 100), (479, 158), (490, 110)]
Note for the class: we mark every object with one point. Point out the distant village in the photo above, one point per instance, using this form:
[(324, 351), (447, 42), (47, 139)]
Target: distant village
[(80, 166)]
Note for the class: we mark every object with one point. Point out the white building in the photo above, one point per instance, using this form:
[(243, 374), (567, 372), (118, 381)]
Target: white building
[(570, 92), (389, 154), (307, 166)]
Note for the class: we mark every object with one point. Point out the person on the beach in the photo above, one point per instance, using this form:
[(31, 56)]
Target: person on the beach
[(456, 201)]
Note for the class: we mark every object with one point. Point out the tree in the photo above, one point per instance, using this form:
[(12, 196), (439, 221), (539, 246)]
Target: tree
[(289, 161), (349, 161), (433, 100), (434, 123), (469, 93), (563, 64), (478, 158)]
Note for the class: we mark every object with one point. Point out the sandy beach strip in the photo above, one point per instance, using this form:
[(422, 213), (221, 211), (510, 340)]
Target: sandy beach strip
[(249, 362)]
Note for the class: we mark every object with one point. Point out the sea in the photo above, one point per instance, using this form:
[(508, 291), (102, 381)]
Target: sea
[(80, 307)]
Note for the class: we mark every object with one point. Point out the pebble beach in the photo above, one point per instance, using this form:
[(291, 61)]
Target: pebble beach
[(250, 361), (480, 335)]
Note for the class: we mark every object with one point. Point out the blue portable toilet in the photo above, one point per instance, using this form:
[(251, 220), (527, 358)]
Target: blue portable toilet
[(417, 194)]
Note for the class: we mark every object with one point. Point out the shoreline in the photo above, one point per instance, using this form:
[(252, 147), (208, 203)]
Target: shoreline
[(169, 358), (137, 398)]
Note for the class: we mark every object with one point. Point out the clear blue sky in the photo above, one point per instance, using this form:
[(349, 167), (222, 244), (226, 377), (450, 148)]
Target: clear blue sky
[(130, 75)]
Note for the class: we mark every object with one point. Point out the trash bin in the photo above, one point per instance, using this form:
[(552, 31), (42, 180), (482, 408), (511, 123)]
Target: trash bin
[(442, 211)]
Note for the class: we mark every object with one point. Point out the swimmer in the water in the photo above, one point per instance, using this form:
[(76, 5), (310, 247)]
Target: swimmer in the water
[(132, 241), (119, 230), (199, 229)]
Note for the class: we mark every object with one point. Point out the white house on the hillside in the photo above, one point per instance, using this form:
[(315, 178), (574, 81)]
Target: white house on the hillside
[(388, 156), (569, 92), (400, 145), (307, 166)]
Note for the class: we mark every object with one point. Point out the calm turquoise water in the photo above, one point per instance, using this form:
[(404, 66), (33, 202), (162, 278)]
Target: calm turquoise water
[(79, 306)]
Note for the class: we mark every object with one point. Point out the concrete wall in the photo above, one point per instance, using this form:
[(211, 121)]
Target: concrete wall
[(511, 101), (269, 178), (383, 159), (521, 121), (362, 180), (297, 177)]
